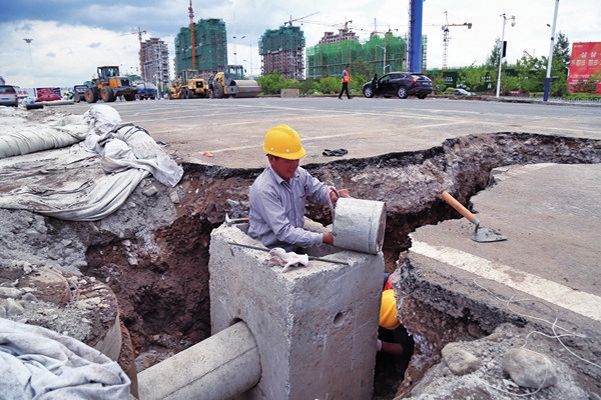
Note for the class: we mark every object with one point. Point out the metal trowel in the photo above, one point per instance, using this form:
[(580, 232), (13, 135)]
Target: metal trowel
[(481, 234)]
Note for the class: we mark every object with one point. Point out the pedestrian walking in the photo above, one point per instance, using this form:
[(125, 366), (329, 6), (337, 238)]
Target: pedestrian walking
[(345, 79)]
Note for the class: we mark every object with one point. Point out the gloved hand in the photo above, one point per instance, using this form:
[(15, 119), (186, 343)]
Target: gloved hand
[(279, 256)]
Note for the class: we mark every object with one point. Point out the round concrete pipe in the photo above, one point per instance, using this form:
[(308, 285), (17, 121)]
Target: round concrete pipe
[(359, 225), (221, 367)]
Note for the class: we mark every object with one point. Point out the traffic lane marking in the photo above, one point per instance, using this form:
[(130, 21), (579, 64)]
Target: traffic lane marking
[(585, 304)]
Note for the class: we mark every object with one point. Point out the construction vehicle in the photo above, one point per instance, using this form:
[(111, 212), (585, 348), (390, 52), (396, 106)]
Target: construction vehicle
[(79, 93), (189, 85), (231, 83), (109, 85)]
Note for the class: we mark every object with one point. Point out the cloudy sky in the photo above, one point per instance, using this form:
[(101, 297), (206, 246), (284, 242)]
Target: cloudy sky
[(72, 37)]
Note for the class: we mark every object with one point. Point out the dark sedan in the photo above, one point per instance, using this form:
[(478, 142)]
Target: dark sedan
[(400, 84)]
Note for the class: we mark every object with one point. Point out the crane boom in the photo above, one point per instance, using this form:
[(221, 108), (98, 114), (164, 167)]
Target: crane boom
[(142, 58), (446, 37), (290, 21)]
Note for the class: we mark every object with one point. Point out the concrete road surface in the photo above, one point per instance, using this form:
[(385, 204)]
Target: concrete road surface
[(233, 129)]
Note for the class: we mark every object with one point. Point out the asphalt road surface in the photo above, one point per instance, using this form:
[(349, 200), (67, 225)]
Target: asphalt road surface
[(232, 130)]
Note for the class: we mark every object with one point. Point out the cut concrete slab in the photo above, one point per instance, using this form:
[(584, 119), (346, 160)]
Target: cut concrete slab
[(541, 275)]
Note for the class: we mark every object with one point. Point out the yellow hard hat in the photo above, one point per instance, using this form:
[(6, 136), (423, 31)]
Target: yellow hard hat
[(388, 311), (283, 141)]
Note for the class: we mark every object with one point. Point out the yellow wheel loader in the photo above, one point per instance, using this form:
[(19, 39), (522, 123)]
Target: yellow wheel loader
[(231, 83), (189, 85), (109, 85)]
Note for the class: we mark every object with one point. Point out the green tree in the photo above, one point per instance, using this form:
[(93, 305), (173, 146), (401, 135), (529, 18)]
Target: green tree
[(560, 66), (588, 86), (360, 70), (561, 52), (274, 83), (530, 74), (473, 76), (308, 86), (493, 59), (329, 85)]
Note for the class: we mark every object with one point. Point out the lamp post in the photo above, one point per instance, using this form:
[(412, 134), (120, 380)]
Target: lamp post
[(235, 51), (501, 49), (384, 61), (550, 60)]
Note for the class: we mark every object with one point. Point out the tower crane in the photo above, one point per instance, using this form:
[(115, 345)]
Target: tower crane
[(290, 21), (446, 38), (142, 58)]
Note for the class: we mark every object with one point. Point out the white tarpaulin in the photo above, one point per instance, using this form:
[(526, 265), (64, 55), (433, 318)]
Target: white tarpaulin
[(37, 363), (90, 179)]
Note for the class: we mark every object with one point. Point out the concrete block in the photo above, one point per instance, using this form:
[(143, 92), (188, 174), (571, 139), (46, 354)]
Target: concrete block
[(289, 93), (315, 326)]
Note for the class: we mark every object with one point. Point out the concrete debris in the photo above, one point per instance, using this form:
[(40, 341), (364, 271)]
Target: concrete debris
[(150, 191), (529, 369), (459, 361), (174, 197), (489, 380)]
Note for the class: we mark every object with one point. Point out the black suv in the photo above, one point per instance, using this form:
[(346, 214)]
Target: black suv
[(400, 84)]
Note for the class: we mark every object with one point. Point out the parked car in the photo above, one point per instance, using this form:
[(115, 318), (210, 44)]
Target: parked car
[(400, 84), (48, 97), (460, 92), (146, 90), (8, 96)]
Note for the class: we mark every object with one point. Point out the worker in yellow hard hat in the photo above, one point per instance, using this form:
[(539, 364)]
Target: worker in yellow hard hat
[(393, 338), (279, 195)]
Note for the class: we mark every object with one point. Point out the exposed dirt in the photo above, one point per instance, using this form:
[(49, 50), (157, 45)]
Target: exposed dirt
[(153, 252)]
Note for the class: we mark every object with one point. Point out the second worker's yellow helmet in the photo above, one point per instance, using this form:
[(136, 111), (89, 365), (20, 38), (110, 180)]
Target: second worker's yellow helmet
[(283, 141)]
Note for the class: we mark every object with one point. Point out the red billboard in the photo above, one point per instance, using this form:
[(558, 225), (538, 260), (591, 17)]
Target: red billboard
[(585, 61)]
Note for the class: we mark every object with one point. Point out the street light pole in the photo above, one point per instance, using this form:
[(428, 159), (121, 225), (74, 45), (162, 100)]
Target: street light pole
[(236, 48), (550, 60), (501, 49)]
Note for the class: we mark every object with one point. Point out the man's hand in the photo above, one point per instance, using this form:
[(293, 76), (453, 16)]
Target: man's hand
[(334, 194), (328, 238)]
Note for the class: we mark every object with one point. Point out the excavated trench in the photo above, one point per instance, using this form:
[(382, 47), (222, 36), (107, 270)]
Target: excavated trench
[(154, 255)]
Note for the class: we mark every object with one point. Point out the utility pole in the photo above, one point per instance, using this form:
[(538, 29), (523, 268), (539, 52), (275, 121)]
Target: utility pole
[(550, 60), (502, 48), (384, 61)]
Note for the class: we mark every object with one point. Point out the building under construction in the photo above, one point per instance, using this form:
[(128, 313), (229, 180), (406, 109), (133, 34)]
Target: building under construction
[(154, 54), (202, 46), (282, 50), (335, 51)]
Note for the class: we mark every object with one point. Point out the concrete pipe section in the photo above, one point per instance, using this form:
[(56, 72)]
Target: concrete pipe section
[(223, 366)]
